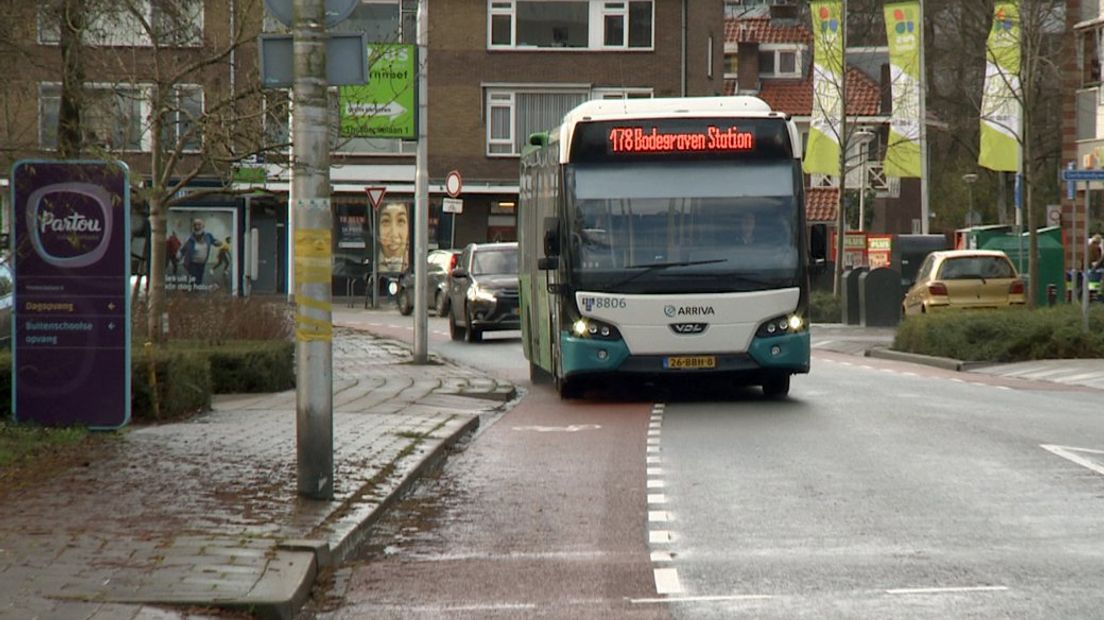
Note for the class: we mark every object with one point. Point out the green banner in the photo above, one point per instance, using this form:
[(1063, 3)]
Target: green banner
[(822, 153), (1001, 107), (385, 106), (904, 31)]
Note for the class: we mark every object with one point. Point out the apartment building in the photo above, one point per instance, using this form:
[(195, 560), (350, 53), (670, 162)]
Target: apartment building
[(497, 71), (1083, 122)]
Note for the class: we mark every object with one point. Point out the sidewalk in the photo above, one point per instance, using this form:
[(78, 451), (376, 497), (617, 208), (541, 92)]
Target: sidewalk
[(205, 512), (875, 342)]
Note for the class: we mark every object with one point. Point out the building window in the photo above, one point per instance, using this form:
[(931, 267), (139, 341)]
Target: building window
[(512, 115), (621, 93), (174, 23), (111, 116), (182, 126), (570, 24), (779, 62)]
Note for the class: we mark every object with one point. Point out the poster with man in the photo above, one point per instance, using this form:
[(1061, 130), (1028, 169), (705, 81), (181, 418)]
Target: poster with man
[(201, 252)]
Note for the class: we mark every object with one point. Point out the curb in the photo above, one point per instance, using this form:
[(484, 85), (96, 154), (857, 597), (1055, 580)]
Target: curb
[(945, 363), (273, 600)]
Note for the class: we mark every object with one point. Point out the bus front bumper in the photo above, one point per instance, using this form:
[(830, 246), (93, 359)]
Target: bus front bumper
[(583, 356)]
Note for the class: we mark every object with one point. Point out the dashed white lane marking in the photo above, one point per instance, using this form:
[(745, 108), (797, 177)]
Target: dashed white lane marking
[(662, 556), (667, 581), (659, 537), (951, 590), (654, 460), (666, 577), (701, 599)]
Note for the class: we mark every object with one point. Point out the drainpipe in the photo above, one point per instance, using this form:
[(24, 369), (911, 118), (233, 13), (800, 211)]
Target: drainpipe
[(685, 26)]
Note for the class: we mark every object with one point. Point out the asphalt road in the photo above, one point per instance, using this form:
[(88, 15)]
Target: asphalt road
[(878, 490)]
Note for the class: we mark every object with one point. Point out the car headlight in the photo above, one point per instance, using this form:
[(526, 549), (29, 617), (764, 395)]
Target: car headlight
[(478, 293)]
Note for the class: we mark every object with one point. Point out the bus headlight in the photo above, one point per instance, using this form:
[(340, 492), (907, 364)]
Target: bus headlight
[(590, 328), (781, 325)]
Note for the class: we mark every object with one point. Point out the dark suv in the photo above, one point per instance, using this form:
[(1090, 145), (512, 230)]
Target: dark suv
[(438, 265), (483, 291)]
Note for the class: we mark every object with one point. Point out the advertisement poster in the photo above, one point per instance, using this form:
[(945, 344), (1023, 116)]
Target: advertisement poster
[(394, 237), (201, 250), (350, 226), (71, 323)]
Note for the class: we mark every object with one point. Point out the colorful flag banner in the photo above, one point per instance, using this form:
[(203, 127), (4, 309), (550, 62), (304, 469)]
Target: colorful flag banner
[(1001, 104), (822, 153), (904, 30)]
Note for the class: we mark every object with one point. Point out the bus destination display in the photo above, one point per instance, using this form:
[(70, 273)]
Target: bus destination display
[(712, 138)]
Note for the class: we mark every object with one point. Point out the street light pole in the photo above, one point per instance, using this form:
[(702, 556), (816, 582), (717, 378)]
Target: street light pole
[(863, 138), (969, 179), (312, 253)]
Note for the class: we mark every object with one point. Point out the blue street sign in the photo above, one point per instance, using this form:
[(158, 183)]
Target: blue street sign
[(1083, 175), (1017, 191), (1071, 187)]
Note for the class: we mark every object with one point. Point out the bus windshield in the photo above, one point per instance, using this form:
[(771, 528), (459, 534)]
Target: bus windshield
[(683, 227)]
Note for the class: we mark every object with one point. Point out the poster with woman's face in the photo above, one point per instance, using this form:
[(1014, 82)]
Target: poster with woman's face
[(394, 237)]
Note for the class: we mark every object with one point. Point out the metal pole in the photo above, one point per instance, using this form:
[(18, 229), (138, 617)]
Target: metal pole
[(1085, 267), (375, 258), (862, 190), (421, 191), (925, 209), (313, 253), (841, 217)]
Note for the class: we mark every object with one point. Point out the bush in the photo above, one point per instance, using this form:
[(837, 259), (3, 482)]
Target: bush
[(219, 318), (183, 381), (824, 307), (247, 367), (1011, 335)]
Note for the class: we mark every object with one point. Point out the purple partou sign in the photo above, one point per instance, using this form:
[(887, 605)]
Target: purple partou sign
[(71, 323)]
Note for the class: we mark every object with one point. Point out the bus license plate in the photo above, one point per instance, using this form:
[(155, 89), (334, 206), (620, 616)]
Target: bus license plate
[(691, 362)]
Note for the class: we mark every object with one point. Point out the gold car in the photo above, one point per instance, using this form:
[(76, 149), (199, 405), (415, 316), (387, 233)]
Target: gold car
[(964, 279)]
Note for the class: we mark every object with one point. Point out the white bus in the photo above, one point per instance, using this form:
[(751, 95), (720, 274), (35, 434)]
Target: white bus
[(664, 237)]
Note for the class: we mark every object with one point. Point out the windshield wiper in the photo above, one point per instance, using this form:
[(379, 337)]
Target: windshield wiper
[(650, 267)]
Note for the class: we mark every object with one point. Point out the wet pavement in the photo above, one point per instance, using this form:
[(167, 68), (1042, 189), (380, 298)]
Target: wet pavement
[(176, 520), (205, 512)]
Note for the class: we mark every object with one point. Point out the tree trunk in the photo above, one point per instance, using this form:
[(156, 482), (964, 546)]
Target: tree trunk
[(71, 22), (157, 321)]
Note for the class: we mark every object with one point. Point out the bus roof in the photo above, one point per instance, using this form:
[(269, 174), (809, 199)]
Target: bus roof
[(670, 107)]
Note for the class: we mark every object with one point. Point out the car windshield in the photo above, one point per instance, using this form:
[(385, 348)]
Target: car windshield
[(694, 226), (495, 262), (976, 267)]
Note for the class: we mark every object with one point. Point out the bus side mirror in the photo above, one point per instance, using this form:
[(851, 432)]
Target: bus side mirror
[(551, 237), (549, 263)]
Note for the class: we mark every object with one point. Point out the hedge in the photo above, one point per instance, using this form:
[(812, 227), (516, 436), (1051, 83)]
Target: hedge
[(187, 374)]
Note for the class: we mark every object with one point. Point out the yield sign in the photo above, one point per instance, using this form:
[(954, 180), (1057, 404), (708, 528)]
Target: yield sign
[(375, 195)]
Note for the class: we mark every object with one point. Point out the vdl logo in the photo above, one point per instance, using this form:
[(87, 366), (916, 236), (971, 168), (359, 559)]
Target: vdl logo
[(904, 21), (670, 311), (588, 303), (827, 24)]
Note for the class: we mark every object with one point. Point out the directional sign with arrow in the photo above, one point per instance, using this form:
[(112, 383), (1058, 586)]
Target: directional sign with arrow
[(384, 107)]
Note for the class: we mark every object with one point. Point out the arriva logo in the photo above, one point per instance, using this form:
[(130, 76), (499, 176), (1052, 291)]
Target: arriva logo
[(673, 311), (70, 223)]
